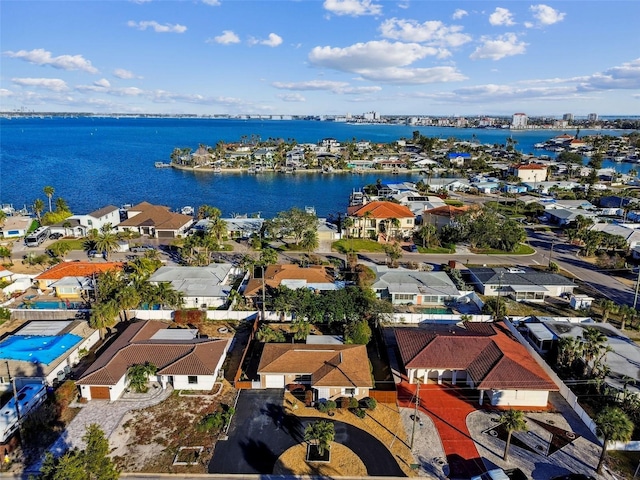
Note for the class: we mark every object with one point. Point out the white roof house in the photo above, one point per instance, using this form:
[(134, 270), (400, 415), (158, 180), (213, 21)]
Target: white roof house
[(201, 287)]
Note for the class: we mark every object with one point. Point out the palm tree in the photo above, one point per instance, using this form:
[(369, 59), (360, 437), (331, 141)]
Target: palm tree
[(592, 344), (48, 191), (301, 329), (38, 207), (138, 376), (106, 242), (607, 307), (512, 421), (103, 315), (128, 298), (309, 240), (321, 433), (613, 425), (626, 312), (166, 295)]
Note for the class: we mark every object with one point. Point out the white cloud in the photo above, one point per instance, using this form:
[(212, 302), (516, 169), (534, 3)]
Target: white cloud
[(5, 93), (354, 8), (505, 45), (166, 28), (213, 3), (103, 82), (624, 77), (291, 97), (545, 15), (310, 85), (413, 76), (501, 16), (227, 38), (272, 41), (40, 56), (326, 85), (459, 13), (370, 55), (53, 84), (432, 32), (124, 74)]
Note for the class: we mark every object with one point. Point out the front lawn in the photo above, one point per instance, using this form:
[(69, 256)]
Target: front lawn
[(521, 249), (74, 243), (436, 250), (357, 245)]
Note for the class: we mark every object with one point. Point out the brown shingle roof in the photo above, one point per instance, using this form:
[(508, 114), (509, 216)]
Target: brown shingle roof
[(101, 212), (275, 274), (488, 352), (134, 346), (155, 216), (328, 365)]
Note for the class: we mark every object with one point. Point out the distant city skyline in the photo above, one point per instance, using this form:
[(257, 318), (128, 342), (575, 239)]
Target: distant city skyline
[(324, 57)]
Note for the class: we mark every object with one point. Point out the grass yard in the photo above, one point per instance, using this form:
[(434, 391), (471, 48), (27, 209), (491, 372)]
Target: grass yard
[(74, 243), (521, 249), (357, 245)]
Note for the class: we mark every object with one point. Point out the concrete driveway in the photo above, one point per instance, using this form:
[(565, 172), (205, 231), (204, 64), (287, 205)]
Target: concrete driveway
[(261, 431)]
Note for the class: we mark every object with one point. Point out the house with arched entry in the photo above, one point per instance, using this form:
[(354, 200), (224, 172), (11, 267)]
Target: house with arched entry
[(484, 357)]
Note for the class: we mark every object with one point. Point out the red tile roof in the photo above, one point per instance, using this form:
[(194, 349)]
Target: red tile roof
[(78, 269), (488, 352), (135, 346), (383, 210)]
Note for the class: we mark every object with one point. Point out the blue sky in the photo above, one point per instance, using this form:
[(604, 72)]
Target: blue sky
[(306, 57)]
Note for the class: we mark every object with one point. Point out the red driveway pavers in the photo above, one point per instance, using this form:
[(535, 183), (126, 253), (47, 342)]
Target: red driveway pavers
[(448, 409)]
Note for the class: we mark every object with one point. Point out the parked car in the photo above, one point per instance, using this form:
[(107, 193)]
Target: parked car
[(142, 248), (56, 236), (95, 254)]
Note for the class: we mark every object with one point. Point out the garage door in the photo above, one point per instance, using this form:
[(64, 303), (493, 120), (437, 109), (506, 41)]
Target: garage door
[(274, 381), (100, 393)]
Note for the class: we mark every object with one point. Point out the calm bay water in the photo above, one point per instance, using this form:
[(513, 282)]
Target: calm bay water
[(93, 162)]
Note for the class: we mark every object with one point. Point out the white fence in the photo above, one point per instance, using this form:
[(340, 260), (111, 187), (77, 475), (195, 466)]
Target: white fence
[(436, 317), (211, 314)]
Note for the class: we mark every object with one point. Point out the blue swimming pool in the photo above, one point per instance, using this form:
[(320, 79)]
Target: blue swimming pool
[(44, 305), (36, 348), (436, 311)]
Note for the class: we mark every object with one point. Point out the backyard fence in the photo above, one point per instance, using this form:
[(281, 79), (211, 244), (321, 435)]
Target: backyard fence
[(237, 383)]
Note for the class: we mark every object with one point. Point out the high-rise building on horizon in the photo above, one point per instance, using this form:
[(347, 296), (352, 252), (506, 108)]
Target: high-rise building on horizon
[(519, 120), (568, 117), (592, 117)]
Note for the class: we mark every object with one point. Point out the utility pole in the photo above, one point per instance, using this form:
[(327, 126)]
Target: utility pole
[(553, 242), (415, 413), (635, 297)]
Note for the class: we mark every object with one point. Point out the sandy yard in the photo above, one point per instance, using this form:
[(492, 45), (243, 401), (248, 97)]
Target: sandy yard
[(148, 440)]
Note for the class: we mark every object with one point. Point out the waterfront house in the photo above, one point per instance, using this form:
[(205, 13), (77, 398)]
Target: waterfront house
[(381, 220), (155, 221), (447, 184), (458, 159), (483, 357), (73, 280), (401, 286), (519, 283), (15, 226), (201, 287), (330, 371), (183, 360), (81, 225)]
